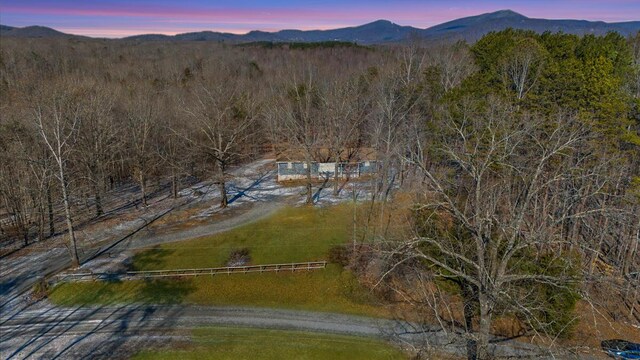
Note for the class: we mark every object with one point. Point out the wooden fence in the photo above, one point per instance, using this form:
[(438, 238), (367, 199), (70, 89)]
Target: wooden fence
[(150, 274)]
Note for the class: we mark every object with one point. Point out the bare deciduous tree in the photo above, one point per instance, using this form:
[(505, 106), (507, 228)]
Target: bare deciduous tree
[(98, 142), (490, 204), (453, 64), (298, 118), (225, 119), (142, 116), (345, 115), (57, 117), (522, 66)]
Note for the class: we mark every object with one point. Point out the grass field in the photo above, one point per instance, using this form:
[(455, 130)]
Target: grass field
[(294, 234), (330, 290), (238, 343)]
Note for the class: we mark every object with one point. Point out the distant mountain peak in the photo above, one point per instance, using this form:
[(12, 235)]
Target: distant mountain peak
[(380, 31), (381, 22), (505, 14), (34, 31)]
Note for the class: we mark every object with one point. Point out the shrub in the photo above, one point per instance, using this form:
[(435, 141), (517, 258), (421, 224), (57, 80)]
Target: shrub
[(551, 308), (239, 257), (340, 255), (40, 290)]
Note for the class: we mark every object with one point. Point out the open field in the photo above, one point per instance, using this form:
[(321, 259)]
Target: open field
[(330, 290), (238, 343), (292, 234)]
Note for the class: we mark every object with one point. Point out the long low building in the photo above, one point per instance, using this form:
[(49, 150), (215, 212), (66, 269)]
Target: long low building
[(296, 170), (352, 163)]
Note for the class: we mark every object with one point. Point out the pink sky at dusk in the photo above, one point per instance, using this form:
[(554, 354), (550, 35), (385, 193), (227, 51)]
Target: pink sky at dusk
[(118, 18)]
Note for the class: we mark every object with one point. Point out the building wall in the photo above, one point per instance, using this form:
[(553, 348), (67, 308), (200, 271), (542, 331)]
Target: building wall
[(297, 170), (368, 167)]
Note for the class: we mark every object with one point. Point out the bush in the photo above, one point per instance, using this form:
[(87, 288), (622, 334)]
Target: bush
[(340, 255), (551, 307), (40, 290), (239, 257)]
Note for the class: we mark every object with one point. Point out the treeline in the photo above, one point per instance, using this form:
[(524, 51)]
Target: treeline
[(82, 119), (522, 149), (302, 45), (526, 170)]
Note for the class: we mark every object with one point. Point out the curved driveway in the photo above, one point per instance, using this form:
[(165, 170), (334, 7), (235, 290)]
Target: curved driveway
[(82, 332)]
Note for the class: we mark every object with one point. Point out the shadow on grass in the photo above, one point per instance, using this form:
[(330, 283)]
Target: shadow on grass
[(154, 258), (165, 291), (150, 291)]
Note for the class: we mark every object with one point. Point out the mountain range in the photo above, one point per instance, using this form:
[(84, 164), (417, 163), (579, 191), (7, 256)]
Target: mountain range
[(378, 32)]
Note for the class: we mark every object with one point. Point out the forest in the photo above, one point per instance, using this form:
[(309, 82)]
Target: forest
[(513, 162)]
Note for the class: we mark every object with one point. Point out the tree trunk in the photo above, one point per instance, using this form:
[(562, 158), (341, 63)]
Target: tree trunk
[(354, 219), (25, 232), (468, 313), (143, 187), (75, 261), (309, 187), (52, 228), (174, 185), (484, 327), (224, 201), (41, 220), (335, 177), (595, 250), (98, 198)]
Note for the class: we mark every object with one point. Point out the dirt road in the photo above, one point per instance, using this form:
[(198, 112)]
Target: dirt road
[(118, 331)]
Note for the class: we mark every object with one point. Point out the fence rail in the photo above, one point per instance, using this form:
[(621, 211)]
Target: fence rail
[(139, 275)]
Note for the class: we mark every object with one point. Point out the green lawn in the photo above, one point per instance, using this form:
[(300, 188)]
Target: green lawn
[(329, 290), (238, 343), (291, 235)]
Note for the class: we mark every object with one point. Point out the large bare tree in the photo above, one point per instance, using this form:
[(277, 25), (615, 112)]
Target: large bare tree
[(343, 125), (142, 116), (98, 142), (297, 115), (57, 115), (224, 119), (494, 199)]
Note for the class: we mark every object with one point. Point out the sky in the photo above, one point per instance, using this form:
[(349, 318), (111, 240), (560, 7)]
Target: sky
[(119, 18)]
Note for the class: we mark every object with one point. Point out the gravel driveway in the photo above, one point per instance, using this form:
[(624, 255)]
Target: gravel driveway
[(119, 331)]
